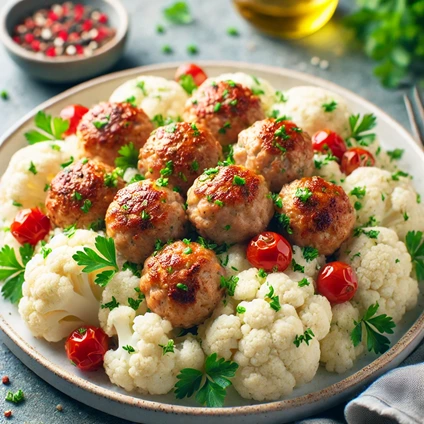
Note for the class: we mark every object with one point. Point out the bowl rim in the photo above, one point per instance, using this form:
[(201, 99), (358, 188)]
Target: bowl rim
[(414, 334), (6, 38)]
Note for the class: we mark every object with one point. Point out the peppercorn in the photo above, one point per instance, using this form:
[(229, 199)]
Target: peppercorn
[(5, 379), (8, 413)]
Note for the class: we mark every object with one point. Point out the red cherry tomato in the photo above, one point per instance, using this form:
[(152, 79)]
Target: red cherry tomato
[(337, 282), (86, 347), (30, 226), (354, 158), (73, 113), (195, 71), (326, 140), (269, 251)]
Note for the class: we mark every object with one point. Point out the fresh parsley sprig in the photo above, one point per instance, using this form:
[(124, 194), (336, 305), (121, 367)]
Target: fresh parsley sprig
[(12, 271), (374, 326), (92, 261), (415, 244), (360, 127), (211, 385), (128, 157), (50, 128), (178, 13)]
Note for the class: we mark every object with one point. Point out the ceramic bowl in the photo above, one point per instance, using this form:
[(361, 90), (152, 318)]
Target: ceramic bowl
[(64, 69)]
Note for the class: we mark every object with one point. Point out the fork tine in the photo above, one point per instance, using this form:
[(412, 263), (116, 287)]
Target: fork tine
[(411, 116), (419, 103)]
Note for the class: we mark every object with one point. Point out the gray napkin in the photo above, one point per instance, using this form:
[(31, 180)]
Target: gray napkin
[(395, 398)]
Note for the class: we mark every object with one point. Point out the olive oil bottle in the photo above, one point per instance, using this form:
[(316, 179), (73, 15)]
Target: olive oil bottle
[(287, 18)]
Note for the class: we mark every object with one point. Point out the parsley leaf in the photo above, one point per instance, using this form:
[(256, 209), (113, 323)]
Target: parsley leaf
[(360, 126), (309, 253), (297, 267), (306, 337), (330, 107), (229, 284), (128, 157), (178, 13), (274, 300), (303, 194), (51, 128), (168, 348), (216, 379), (15, 397), (187, 82), (12, 271), (374, 326), (415, 244), (284, 221), (395, 154), (111, 305), (92, 261)]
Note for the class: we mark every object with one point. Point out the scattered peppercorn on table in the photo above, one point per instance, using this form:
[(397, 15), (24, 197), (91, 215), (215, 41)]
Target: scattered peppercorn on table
[(153, 40)]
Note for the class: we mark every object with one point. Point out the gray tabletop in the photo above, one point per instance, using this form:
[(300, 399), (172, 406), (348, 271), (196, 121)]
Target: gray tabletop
[(347, 67)]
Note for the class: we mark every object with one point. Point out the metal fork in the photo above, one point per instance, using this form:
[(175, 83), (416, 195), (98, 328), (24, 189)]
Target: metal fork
[(412, 115)]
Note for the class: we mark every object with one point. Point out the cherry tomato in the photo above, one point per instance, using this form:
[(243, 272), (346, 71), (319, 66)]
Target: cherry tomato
[(30, 226), (337, 282), (195, 71), (354, 158), (326, 140), (73, 113), (269, 251), (86, 347)]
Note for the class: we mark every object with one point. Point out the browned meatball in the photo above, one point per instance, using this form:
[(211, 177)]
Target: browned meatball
[(179, 152), (318, 213), (229, 204), (107, 127), (142, 213), (182, 283), (276, 149), (225, 107), (81, 194)]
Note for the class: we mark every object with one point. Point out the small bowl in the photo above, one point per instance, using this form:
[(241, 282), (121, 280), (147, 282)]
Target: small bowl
[(64, 69)]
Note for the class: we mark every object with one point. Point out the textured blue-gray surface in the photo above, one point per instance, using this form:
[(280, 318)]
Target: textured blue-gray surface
[(346, 67)]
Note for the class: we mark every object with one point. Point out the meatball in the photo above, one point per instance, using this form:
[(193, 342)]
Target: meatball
[(276, 149), (317, 212), (107, 127), (182, 283), (179, 152), (225, 107), (81, 194), (229, 204), (142, 213)]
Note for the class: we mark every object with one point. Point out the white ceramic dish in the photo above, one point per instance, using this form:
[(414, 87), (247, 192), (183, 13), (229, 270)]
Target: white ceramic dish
[(94, 389)]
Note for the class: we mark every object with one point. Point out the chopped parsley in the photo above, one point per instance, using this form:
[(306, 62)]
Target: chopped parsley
[(168, 348), (240, 309), (111, 305), (192, 49), (284, 221), (4, 95), (217, 107), (142, 86), (135, 303), (178, 13), (233, 32), (273, 299), (375, 327), (167, 49), (303, 194), (132, 101), (134, 268), (303, 282), (395, 154), (76, 196), (182, 286), (229, 284), (196, 133), (70, 230), (128, 348), (398, 174), (194, 166), (32, 168), (306, 337), (415, 244), (86, 206), (67, 163), (297, 267), (17, 397), (237, 180), (309, 253), (319, 163), (359, 192), (225, 127), (262, 274), (160, 29), (278, 201), (101, 124), (145, 216), (329, 107), (187, 82)]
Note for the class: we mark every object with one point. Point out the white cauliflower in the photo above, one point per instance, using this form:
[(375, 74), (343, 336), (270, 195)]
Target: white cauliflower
[(327, 167), (386, 199), (120, 289), (383, 267), (337, 351), (261, 87), (29, 172), (309, 259), (261, 339), (57, 296), (312, 109), (155, 95), (140, 361), (235, 259)]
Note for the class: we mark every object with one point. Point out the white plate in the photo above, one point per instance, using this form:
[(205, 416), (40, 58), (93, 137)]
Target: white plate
[(49, 360)]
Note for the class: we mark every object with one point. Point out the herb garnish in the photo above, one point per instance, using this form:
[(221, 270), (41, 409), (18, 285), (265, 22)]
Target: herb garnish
[(168, 348), (306, 337), (51, 128), (415, 244)]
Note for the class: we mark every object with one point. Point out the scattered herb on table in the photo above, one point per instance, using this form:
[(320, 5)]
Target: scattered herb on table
[(178, 13)]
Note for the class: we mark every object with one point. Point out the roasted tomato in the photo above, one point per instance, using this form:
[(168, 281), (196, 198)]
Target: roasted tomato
[(86, 347), (195, 71), (337, 281), (269, 251), (354, 158), (30, 226), (73, 113), (325, 141)]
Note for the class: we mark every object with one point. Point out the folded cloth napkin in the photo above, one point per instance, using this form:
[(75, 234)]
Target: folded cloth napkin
[(395, 398)]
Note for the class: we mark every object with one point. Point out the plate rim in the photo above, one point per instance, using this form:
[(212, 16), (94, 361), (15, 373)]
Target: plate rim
[(416, 331)]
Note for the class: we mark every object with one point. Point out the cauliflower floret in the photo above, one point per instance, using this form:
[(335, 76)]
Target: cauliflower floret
[(234, 260), (140, 362), (305, 107), (303, 257), (337, 351), (328, 168), (387, 201), (122, 287), (383, 267), (155, 95), (57, 295), (26, 188), (261, 87), (261, 339)]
